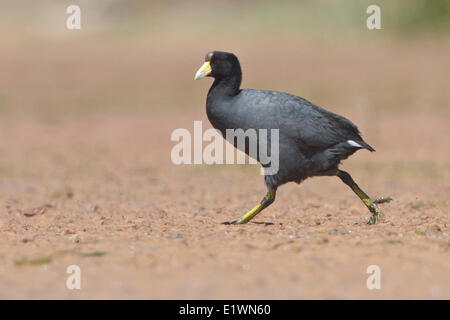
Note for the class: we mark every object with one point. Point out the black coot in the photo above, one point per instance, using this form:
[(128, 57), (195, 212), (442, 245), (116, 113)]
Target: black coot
[(312, 141)]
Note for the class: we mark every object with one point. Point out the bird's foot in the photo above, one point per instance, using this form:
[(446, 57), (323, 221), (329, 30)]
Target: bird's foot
[(377, 216), (235, 222)]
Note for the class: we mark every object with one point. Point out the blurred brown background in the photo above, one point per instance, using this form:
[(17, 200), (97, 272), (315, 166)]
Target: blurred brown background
[(85, 170)]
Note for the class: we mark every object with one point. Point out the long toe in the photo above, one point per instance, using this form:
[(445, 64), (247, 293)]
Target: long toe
[(235, 222), (382, 200)]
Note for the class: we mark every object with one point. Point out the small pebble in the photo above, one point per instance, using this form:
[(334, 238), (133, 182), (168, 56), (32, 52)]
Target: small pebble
[(339, 230)]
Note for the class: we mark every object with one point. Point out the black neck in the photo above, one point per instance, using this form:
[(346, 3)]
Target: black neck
[(226, 86)]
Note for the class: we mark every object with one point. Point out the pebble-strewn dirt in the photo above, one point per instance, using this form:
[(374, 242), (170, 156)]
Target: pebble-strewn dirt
[(86, 177), (103, 195)]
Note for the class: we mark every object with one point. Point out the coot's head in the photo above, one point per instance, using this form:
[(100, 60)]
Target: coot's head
[(219, 65)]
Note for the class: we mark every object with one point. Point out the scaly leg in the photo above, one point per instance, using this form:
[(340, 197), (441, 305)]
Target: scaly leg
[(377, 215), (265, 202)]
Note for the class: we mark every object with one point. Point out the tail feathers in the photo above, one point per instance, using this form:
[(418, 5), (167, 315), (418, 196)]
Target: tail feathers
[(331, 157), (360, 144)]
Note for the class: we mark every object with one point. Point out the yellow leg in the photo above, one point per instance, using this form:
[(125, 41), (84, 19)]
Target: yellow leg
[(265, 202), (377, 215)]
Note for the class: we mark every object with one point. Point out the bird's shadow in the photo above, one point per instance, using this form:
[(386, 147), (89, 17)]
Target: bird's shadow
[(265, 223)]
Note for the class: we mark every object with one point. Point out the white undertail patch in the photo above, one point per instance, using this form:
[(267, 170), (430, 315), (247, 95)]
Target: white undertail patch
[(354, 144)]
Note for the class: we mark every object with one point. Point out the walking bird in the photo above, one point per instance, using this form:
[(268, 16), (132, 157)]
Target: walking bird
[(312, 141)]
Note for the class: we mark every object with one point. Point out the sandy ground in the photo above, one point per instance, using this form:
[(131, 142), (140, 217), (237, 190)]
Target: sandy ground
[(97, 194), (86, 177)]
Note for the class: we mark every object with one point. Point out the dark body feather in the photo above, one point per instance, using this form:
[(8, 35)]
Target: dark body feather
[(312, 140)]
